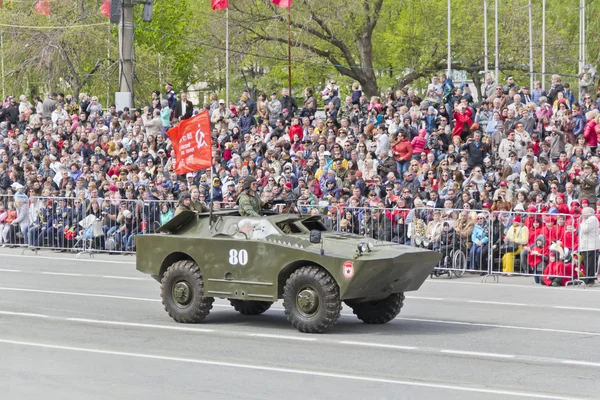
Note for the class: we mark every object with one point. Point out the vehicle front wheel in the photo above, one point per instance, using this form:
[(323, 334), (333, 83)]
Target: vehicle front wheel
[(311, 299), (182, 292), (250, 307), (380, 311)]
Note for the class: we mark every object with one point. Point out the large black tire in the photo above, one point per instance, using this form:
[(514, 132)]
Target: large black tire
[(182, 292), (250, 307), (311, 299), (380, 311)]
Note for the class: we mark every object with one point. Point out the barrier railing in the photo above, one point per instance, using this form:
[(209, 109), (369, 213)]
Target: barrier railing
[(539, 245), (544, 246)]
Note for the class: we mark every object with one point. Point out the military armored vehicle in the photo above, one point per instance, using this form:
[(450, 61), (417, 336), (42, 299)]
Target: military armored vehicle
[(253, 262)]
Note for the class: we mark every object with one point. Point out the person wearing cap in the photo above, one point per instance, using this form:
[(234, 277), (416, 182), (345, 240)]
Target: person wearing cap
[(185, 203), (589, 243), (588, 180), (249, 202), (221, 117), (480, 239), (510, 84), (516, 237), (170, 95)]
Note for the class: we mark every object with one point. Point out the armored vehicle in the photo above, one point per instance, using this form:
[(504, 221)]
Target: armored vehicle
[(253, 262)]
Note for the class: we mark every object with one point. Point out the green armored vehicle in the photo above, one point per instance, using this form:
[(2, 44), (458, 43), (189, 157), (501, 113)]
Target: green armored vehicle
[(253, 262)]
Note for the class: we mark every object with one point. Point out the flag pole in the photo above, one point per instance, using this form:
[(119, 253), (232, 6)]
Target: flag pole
[(226, 58), (289, 49)]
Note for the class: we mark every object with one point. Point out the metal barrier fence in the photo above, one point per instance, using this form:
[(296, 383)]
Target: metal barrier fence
[(544, 247)]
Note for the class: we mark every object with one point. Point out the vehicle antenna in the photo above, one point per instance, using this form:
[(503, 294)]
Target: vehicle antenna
[(210, 208)]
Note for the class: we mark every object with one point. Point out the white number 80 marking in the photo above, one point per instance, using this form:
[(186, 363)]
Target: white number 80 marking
[(238, 257)]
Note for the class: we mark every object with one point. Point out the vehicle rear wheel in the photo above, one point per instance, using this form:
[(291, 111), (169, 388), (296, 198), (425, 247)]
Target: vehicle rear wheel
[(380, 311), (311, 299), (250, 307), (182, 291)]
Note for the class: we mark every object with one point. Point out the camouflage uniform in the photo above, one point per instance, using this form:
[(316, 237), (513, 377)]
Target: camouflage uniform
[(250, 205), (199, 206)]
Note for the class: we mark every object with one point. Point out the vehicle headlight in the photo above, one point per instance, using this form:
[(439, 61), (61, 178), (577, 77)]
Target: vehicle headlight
[(363, 247)]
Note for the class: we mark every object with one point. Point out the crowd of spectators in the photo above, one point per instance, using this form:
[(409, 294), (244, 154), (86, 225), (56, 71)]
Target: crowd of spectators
[(517, 149)]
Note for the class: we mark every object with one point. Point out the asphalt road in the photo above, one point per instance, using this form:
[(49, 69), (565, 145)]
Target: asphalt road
[(96, 329)]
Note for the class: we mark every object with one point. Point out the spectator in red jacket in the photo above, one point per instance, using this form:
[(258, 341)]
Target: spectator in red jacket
[(556, 272), (538, 258), (462, 123)]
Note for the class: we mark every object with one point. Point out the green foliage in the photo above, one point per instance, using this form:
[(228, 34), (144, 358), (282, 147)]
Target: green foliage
[(185, 44)]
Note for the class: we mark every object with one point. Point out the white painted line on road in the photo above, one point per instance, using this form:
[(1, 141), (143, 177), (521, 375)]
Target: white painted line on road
[(24, 314), (60, 273), (129, 278), (386, 346), (582, 363), (138, 325), (476, 353), (344, 314), (106, 296), (497, 303), (294, 371), (270, 336), (503, 285), (425, 298), (10, 270), (77, 260), (576, 308)]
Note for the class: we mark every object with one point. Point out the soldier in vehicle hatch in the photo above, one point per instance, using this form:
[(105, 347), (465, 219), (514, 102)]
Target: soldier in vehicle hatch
[(249, 202)]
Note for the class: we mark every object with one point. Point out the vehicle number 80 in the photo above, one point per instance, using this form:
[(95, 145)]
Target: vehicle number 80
[(238, 257)]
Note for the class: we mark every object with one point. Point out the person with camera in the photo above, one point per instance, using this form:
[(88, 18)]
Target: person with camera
[(220, 117)]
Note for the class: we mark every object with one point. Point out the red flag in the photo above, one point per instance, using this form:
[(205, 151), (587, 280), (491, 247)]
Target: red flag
[(42, 7), (220, 4), (192, 144), (283, 3), (105, 9)]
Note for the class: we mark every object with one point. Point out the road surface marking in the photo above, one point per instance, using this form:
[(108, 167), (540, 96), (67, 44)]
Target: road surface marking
[(10, 270), (425, 298), (293, 371), (271, 336), (576, 308), (130, 278), (500, 285), (24, 314), (60, 273), (581, 363), (478, 354), (497, 303), (387, 346), (107, 296), (488, 325), (138, 325), (77, 260)]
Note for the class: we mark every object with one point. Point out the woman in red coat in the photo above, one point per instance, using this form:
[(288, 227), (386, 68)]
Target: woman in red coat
[(462, 121), (403, 152), (590, 135)]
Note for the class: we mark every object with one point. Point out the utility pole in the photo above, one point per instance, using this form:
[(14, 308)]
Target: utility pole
[(126, 51), (449, 67), (485, 36)]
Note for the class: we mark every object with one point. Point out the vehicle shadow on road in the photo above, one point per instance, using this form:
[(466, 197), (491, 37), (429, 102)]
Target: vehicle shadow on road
[(276, 321)]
